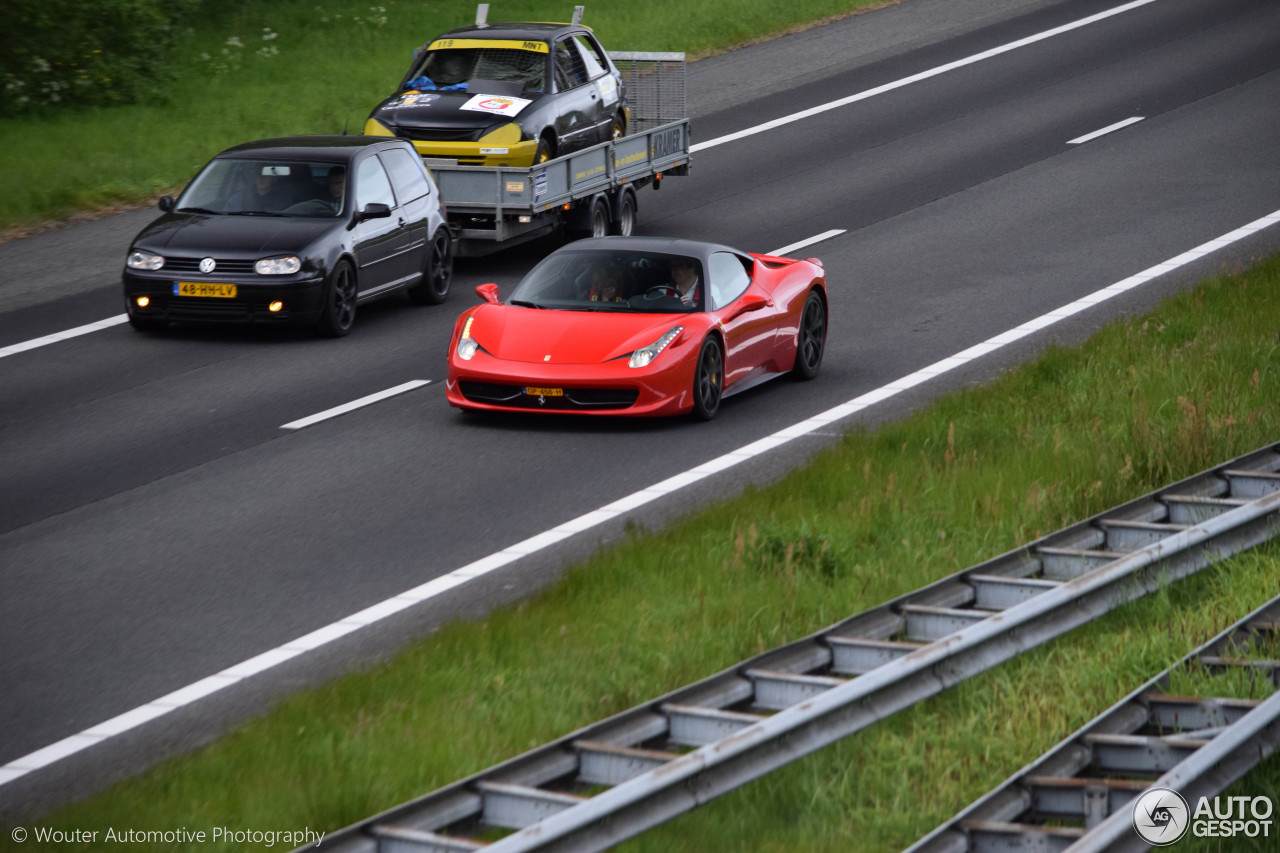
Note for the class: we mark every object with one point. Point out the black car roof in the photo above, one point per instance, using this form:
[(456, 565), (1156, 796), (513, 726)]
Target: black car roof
[(329, 149), (659, 245), (516, 31)]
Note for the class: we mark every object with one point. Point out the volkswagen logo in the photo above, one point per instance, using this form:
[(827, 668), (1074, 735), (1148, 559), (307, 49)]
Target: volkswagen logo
[(207, 265)]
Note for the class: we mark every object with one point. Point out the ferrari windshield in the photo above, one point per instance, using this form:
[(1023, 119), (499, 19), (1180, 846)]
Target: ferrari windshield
[(266, 187), (638, 282), (451, 68)]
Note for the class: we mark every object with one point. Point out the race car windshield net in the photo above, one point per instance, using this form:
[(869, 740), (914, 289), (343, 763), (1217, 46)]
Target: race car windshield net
[(630, 282), (266, 188), (450, 69)]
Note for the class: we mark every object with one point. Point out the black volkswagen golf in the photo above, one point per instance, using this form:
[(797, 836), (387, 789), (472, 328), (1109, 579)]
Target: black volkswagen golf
[(298, 230)]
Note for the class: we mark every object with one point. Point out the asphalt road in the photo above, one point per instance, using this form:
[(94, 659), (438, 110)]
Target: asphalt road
[(158, 526)]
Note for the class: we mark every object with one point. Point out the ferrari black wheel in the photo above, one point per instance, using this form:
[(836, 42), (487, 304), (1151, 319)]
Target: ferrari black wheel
[(626, 223), (438, 275), (708, 381), (339, 313), (811, 341)]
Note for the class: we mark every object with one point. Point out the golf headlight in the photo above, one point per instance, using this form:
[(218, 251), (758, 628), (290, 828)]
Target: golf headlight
[(644, 355), (467, 345), (278, 266), (144, 261)]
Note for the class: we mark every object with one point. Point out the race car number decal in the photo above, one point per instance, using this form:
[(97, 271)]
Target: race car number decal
[(496, 104), (510, 44), (608, 89)]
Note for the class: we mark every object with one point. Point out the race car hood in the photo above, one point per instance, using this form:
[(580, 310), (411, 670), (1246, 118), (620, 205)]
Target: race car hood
[(449, 110), (548, 336), (231, 235)]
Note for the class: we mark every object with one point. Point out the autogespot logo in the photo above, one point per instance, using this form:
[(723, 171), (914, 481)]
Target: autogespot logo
[(1161, 816)]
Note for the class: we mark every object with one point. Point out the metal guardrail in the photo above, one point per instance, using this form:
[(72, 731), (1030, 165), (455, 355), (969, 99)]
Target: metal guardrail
[(784, 704), (1080, 795)]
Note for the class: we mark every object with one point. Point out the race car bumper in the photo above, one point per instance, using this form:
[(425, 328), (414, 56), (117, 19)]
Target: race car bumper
[(500, 148)]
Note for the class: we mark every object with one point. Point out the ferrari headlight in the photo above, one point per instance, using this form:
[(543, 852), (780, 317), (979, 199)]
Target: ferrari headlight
[(278, 266), (140, 260), (467, 345), (645, 355)]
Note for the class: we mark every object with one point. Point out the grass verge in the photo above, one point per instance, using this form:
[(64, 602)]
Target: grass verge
[(1145, 402), (254, 70)]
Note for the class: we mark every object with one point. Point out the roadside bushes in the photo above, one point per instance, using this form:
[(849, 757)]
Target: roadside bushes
[(57, 54)]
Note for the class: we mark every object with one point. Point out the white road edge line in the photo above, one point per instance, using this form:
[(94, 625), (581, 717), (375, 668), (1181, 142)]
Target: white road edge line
[(1104, 131), (355, 404), (13, 349), (916, 78), (78, 742), (751, 131)]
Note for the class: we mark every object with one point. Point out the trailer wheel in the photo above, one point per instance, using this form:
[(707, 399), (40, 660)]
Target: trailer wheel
[(626, 221), (596, 223)]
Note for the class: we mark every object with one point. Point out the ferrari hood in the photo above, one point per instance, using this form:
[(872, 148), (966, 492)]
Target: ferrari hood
[(230, 235), (548, 336)]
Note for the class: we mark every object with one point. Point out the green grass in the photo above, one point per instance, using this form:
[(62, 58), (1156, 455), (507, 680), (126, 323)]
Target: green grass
[(982, 471), (307, 66)]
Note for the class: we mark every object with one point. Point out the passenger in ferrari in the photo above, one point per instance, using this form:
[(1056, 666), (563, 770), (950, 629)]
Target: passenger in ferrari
[(606, 286)]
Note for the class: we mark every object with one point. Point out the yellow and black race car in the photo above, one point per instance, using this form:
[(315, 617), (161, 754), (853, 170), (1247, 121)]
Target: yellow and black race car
[(506, 95)]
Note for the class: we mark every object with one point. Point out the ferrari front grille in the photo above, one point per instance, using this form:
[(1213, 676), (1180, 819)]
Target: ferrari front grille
[(514, 396)]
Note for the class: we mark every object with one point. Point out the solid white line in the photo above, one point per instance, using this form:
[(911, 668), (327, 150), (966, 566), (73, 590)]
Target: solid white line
[(315, 639), (1108, 129), (825, 235), (355, 404), (62, 336), (916, 78)]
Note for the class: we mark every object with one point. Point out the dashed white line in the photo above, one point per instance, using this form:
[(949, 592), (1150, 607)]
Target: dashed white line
[(355, 404), (825, 235), (916, 78), (1104, 131), (62, 336), (814, 425)]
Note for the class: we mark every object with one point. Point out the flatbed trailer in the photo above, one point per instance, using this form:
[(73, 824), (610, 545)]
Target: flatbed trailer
[(591, 192)]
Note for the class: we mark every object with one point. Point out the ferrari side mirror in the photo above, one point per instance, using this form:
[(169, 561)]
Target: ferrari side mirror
[(488, 292)]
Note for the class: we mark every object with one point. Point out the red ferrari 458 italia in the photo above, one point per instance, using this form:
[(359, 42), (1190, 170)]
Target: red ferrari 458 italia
[(639, 326)]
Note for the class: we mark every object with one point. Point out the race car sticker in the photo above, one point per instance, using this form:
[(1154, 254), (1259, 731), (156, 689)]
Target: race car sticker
[(496, 104), (413, 99), (607, 86), (509, 44)]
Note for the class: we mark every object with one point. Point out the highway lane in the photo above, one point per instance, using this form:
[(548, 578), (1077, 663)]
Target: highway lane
[(157, 525)]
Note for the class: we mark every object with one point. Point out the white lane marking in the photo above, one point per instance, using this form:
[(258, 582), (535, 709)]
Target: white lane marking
[(825, 235), (1104, 131), (916, 78), (355, 404), (62, 336), (185, 696)]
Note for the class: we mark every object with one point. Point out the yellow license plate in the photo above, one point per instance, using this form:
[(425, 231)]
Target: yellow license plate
[(204, 288), (544, 392)]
